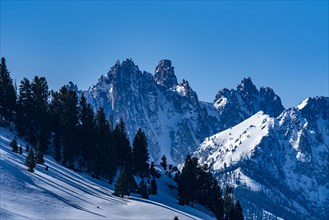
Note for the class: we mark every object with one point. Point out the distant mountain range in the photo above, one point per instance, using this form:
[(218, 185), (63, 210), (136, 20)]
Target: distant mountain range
[(277, 158)]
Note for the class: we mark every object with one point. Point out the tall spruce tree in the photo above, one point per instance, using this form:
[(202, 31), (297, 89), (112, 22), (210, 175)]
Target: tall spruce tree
[(228, 202), (99, 156), (124, 152), (69, 125), (236, 212), (24, 108), (122, 144), (40, 123), (140, 154), (7, 95), (55, 108), (187, 186), (87, 129)]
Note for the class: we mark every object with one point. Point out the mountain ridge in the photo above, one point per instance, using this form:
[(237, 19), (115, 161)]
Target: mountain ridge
[(285, 161), (170, 113)]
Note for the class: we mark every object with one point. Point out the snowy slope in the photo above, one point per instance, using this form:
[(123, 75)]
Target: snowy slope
[(60, 193), (278, 165), (228, 147)]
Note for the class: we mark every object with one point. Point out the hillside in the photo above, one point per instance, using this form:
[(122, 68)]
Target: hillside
[(60, 193), (277, 164)]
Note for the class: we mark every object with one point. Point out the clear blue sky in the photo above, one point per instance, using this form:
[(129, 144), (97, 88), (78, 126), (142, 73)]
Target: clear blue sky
[(212, 44)]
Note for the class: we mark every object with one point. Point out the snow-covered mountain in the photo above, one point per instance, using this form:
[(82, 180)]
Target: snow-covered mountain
[(60, 193), (233, 106), (277, 164), (170, 113)]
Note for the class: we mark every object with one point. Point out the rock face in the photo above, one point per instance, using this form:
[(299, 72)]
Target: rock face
[(278, 164), (238, 104), (170, 113)]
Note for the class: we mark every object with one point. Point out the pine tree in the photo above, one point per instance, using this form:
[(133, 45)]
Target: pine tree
[(24, 108), (153, 171), (154, 187), (39, 158), (187, 186), (104, 154), (164, 162), (20, 150), (69, 124), (236, 212), (40, 123), (14, 145), (7, 94), (228, 202), (87, 129), (55, 108), (30, 161), (140, 154), (122, 144), (143, 189), (121, 187)]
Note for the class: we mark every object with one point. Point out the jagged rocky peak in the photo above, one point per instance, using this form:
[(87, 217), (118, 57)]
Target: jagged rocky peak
[(247, 98), (247, 86), (165, 74), (271, 103), (315, 107), (71, 86)]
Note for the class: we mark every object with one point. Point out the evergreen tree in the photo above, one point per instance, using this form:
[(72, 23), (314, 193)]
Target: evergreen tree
[(236, 212), (153, 171), (14, 146), (196, 183), (30, 161), (122, 144), (20, 150), (7, 94), (24, 108), (215, 201), (39, 155), (143, 189), (27, 148), (87, 129), (228, 202), (187, 186), (55, 107), (69, 124), (140, 154), (154, 187), (121, 187), (104, 153), (164, 162), (40, 123)]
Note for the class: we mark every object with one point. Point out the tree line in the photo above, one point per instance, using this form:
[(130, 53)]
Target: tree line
[(81, 139), (197, 184)]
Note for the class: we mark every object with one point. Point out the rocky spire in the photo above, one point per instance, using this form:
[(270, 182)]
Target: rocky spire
[(164, 74)]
